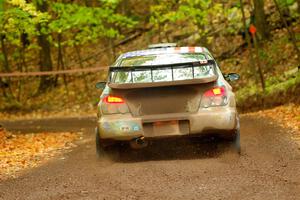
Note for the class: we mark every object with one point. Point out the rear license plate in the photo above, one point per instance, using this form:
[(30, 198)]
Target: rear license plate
[(166, 127)]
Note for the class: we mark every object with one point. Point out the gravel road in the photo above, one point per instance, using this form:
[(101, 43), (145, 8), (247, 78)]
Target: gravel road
[(269, 167)]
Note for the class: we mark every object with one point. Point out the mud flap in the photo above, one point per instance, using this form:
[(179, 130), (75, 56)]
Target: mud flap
[(102, 150), (237, 141)]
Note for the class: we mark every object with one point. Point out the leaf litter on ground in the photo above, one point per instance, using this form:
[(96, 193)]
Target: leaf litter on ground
[(287, 116), (19, 152)]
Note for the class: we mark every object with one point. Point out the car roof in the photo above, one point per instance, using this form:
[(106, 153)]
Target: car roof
[(165, 50)]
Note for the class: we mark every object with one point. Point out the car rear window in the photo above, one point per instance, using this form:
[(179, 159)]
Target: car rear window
[(160, 75)]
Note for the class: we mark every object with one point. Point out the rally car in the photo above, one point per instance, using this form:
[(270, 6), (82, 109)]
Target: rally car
[(165, 91)]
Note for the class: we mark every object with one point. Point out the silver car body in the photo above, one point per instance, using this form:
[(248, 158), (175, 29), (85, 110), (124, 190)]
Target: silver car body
[(165, 108)]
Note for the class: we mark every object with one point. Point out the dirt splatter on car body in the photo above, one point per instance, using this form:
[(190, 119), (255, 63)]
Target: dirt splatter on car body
[(164, 92)]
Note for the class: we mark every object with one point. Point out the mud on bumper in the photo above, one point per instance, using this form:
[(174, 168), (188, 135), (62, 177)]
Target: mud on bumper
[(126, 127)]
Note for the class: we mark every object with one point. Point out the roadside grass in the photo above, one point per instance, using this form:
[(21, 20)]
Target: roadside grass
[(77, 99), (279, 90)]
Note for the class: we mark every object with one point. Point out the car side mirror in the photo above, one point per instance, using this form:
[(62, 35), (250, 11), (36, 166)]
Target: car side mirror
[(232, 77), (100, 85)]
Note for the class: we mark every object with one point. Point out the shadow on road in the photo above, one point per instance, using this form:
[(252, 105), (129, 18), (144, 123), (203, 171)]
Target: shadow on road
[(163, 149), (50, 124), (175, 149)]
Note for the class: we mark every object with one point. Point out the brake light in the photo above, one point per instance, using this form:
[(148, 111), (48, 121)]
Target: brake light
[(214, 97), (113, 105), (113, 99), (219, 91)]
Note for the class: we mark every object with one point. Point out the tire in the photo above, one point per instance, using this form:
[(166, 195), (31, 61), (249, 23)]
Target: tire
[(235, 137), (237, 141), (99, 147), (106, 150)]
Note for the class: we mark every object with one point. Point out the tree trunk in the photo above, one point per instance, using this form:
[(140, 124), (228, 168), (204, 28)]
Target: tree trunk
[(3, 84), (248, 39), (260, 19), (112, 57), (5, 54), (88, 3), (259, 65), (290, 31), (45, 52), (125, 6)]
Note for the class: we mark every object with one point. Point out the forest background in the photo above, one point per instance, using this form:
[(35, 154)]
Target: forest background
[(39, 35)]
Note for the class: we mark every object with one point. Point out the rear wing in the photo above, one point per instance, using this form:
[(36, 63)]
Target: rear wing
[(128, 77)]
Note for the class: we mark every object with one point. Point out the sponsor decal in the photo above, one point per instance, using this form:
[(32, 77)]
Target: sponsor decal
[(119, 127), (106, 126), (125, 128), (136, 128), (130, 126)]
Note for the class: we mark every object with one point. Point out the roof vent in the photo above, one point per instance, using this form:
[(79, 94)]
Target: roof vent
[(161, 45)]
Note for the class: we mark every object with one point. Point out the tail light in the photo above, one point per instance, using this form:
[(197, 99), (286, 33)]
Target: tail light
[(214, 97), (113, 99), (113, 105)]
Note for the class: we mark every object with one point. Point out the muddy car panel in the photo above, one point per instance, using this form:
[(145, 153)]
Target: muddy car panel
[(166, 108)]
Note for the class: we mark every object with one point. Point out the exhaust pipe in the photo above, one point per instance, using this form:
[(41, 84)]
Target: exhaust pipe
[(138, 143)]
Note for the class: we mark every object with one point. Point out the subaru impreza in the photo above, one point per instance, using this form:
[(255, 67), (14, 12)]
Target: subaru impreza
[(165, 91)]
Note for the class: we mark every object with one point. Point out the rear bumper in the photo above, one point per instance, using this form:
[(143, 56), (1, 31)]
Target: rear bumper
[(126, 127)]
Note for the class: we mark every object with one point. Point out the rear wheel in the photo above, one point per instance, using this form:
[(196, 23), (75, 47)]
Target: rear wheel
[(234, 139), (237, 141), (106, 149)]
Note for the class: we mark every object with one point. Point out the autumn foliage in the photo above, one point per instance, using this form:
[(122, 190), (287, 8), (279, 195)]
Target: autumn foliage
[(24, 151)]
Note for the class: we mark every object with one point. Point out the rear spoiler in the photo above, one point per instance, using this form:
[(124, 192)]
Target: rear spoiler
[(173, 82)]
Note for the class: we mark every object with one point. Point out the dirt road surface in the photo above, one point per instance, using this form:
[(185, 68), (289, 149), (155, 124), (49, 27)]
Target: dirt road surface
[(269, 167)]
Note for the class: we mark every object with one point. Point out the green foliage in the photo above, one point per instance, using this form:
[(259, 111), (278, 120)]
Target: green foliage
[(23, 22), (82, 24), (1, 6), (79, 24), (1, 12), (170, 11), (283, 85), (234, 18), (20, 18), (204, 16), (274, 85), (286, 2), (245, 93)]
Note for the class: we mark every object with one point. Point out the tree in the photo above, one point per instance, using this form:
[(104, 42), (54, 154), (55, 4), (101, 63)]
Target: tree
[(45, 49), (3, 54), (290, 31), (197, 15), (260, 19)]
